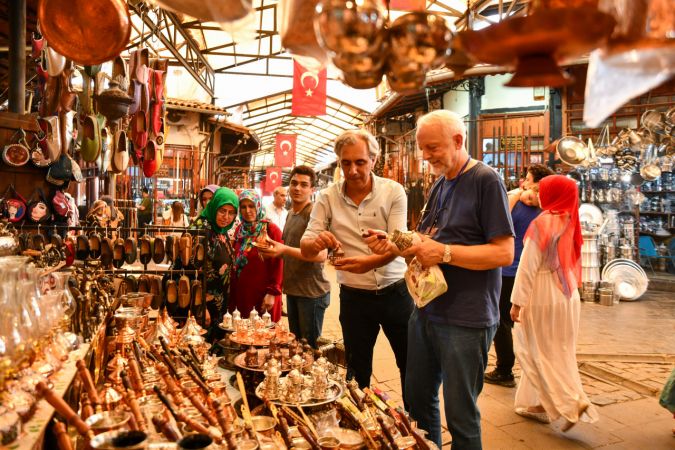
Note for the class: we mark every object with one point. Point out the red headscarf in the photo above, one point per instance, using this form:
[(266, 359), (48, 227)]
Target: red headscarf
[(557, 231)]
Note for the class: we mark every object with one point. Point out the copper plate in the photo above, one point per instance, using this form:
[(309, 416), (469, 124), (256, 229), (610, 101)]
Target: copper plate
[(564, 33), (86, 31)]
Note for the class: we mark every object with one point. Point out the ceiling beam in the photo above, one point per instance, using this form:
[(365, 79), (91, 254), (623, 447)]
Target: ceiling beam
[(193, 61)]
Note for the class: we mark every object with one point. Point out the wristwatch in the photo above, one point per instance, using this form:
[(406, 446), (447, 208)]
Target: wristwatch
[(447, 254)]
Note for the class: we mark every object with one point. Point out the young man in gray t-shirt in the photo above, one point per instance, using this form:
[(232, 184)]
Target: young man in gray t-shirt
[(305, 285)]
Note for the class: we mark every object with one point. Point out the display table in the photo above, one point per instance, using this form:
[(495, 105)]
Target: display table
[(33, 433)]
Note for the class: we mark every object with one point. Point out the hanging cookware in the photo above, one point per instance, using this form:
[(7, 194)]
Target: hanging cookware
[(87, 32), (113, 103), (343, 26), (571, 150), (536, 43), (650, 170), (420, 38), (209, 11)]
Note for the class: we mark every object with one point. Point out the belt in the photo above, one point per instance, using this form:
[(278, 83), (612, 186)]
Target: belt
[(384, 291)]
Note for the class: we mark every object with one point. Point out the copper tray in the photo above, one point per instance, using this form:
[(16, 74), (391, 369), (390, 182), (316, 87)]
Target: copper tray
[(240, 361), (260, 342), (86, 31), (563, 33)]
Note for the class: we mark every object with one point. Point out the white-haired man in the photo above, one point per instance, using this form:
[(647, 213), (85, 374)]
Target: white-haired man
[(373, 293), (276, 211), (467, 230)]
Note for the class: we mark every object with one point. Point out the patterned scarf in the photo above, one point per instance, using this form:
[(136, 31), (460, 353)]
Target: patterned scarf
[(248, 232)]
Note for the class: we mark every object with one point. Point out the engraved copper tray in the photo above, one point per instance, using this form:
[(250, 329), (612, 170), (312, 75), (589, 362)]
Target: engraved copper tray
[(563, 33)]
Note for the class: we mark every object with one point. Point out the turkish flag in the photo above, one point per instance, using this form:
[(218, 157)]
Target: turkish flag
[(284, 150), (408, 5), (272, 179), (309, 91)]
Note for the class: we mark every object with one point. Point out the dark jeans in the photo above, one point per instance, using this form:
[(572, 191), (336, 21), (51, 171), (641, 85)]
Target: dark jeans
[(144, 219), (305, 316), (457, 357), (504, 338), (361, 315)]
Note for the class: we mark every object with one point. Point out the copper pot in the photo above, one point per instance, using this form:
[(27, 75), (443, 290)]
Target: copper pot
[(343, 26), (410, 82), (87, 32), (422, 37)]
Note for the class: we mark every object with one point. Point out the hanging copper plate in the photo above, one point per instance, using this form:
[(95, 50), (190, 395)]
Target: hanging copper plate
[(86, 31), (563, 33)]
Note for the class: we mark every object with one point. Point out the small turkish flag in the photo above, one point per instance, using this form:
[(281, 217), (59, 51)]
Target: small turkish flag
[(309, 92), (272, 179), (284, 150)]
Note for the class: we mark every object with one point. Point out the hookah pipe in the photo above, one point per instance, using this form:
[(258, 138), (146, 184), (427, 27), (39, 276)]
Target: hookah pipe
[(130, 399), (64, 409), (225, 424), (165, 427), (180, 417), (88, 383)]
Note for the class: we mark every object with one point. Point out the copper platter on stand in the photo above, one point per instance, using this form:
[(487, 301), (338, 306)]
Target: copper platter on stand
[(535, 44)]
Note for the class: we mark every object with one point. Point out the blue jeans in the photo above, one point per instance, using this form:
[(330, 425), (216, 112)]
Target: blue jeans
[(305, 316), (457, 357)]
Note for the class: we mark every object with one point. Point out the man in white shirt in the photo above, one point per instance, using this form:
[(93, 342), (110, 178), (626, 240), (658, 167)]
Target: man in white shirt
[(276, 211), (373, 293)]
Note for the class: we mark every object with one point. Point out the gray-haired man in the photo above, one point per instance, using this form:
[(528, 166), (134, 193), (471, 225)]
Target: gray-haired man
[(373, 293)]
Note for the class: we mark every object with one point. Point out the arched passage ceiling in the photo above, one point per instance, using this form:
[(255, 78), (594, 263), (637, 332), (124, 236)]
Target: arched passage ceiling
[(254, 76)]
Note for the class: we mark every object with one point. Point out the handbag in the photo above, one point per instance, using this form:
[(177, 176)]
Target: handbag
[(17, 154), (13, 205), (424, 283), (37, 210), (60, 204)]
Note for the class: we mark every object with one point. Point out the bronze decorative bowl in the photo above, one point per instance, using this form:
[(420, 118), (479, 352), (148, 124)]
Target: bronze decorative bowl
[(345, 26)]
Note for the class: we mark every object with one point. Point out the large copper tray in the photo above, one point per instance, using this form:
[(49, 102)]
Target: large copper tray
[(86, 31), (563, 33)]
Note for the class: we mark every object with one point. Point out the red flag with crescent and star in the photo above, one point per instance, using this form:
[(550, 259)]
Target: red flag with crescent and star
[(272, 179), (309, 91), (284, 150)]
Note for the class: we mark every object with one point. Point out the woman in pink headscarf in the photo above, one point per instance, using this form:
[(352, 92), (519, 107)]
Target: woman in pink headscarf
[(546, 310)]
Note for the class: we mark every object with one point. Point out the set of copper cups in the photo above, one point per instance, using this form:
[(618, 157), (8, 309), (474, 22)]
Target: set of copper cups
[(364, 47)]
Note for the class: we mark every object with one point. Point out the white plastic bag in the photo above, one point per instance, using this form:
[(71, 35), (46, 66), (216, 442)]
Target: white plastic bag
[(424, 284)]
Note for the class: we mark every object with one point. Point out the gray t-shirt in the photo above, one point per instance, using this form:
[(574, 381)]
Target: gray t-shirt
[(301, 278)]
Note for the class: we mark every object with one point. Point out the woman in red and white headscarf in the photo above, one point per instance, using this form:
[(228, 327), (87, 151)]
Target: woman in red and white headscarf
[(546, 308)]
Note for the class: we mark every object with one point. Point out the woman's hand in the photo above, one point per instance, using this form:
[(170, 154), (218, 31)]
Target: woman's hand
[(268, 302), (515, 313)]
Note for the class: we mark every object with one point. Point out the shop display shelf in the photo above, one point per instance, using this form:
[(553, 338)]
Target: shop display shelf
[(658, 192), (655, 213)]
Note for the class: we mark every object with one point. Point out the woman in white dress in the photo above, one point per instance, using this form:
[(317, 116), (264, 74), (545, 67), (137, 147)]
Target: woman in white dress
[(546, 307)]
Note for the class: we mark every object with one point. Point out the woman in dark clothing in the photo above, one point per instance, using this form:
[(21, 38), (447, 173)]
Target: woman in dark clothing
[(214, 222)]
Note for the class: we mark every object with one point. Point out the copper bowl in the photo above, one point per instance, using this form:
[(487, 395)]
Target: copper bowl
[(87, 32), (363, 80), (349, 27), (407, 83), (422, 37)]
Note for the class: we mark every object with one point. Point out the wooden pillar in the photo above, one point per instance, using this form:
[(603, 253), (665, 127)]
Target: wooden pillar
[(17, 56)]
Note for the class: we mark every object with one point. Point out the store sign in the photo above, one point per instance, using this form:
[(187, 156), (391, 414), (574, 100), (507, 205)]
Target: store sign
[(284, 150), (309, 91)]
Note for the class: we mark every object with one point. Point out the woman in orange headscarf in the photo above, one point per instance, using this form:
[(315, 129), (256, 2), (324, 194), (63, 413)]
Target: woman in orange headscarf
[(546, 310)]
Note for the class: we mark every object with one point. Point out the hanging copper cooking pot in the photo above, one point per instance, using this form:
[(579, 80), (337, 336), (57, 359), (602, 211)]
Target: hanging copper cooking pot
[(422, 37), (86, 31), (343, 26)]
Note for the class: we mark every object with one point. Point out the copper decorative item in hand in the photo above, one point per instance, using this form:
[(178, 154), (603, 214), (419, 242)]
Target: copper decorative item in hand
[(336, 256)]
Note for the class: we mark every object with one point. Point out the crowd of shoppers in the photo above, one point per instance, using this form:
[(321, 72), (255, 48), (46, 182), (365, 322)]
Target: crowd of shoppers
[(503, 259)]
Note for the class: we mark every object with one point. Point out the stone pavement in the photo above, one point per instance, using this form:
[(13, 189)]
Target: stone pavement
[(625, 353)]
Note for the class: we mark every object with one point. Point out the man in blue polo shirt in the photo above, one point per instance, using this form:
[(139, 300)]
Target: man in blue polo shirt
[(467, 231)]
